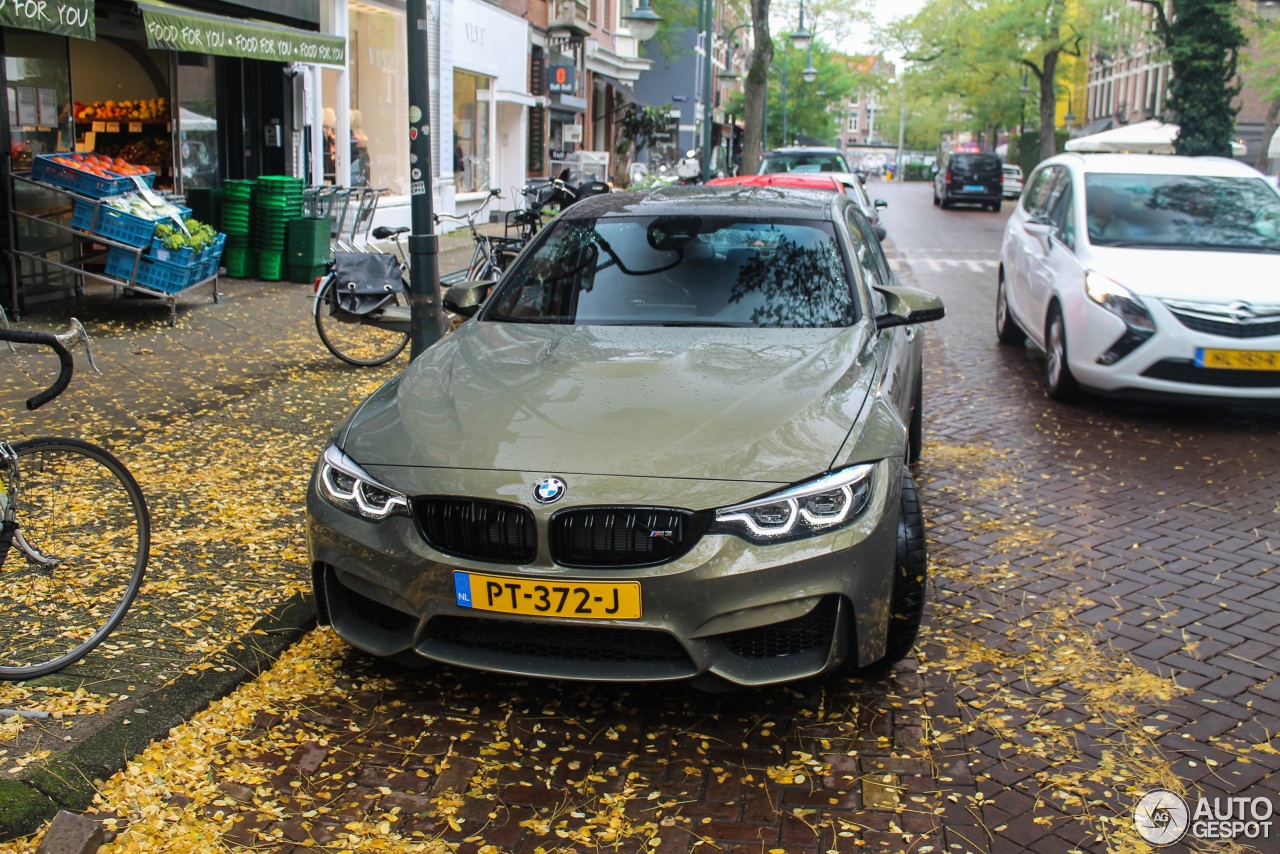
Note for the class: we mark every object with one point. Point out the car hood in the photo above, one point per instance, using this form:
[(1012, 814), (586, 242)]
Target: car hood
[(1196, 275), (769, 405)]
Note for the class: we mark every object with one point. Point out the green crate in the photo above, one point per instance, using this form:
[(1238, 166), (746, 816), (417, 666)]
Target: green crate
[(309, 241), (304, 275)]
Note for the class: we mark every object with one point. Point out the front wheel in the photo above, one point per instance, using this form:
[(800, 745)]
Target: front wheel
[(356, 339), (77, 556), (1059, 382), (910, 570)]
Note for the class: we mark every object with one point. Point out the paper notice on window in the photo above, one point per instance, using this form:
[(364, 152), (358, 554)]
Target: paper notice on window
[(27, 106), (47, 111)]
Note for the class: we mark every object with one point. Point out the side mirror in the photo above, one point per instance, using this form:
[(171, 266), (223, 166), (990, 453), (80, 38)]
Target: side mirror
[(466, 298), (907, 306), (880, 204), (1041, 228)]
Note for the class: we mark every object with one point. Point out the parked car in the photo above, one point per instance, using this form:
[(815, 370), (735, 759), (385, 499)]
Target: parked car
[(843, 182), (1012, 181), (803, 158), (969, 178), (1146, 276), (673, 443)]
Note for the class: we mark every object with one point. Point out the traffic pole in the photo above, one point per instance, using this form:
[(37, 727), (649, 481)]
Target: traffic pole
[(426, 322)]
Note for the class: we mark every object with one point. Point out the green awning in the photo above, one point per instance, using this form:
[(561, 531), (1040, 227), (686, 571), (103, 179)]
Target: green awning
[(62, 18), (172, 28)]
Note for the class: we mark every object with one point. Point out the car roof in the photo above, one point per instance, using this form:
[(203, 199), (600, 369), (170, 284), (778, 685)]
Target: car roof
[(803, 149), (1159, 164), (744, 200), (803, 180)]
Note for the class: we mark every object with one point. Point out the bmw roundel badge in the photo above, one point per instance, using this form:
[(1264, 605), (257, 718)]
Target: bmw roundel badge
[(549, 490)]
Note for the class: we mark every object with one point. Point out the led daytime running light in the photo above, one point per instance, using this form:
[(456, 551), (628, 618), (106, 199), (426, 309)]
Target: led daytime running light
[(335, 463), (840, 483)]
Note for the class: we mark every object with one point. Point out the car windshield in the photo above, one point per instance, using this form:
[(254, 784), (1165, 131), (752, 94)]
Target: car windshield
[(1184, 211), (680, 271), (813, 161)]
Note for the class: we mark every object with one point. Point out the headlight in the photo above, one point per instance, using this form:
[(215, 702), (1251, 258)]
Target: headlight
[(350, 487), (1120, 301), (814, 507)]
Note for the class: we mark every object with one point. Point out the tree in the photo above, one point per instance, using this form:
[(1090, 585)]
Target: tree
[(1204, 42), (976, 52), (810, 106), (1262, 63), (756, 91)]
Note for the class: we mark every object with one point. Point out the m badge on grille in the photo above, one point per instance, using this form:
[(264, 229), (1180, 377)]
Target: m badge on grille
[(549, 490)]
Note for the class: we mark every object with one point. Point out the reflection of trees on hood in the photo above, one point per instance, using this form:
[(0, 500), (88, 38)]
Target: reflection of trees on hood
[(801, 285)]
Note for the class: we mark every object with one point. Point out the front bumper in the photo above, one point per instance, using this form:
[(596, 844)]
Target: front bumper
[(728, 610), (1163, 366)]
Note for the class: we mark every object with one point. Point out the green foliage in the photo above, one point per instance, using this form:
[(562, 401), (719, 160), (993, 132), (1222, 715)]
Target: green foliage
[(809, 114), (1205, 43), (973, 56)]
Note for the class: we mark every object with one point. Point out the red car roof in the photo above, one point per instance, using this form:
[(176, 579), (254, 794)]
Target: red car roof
[(801, 180)]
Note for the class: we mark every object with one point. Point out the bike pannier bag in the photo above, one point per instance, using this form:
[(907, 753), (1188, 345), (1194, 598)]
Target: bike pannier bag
[(366, 281)]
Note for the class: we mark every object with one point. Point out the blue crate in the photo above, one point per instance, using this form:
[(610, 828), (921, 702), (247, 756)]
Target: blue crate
[(43, 168), (116, 225), (153, 274)]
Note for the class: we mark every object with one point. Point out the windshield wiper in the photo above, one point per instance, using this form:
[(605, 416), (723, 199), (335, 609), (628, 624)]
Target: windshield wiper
[(678, 323)]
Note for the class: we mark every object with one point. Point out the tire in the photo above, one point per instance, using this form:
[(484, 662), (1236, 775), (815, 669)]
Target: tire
[(1059, 382), (79, 506), (936, 202), (1007, 329), (945, 203), (915, 430), (351, 338), (910, 575), (996, 205)]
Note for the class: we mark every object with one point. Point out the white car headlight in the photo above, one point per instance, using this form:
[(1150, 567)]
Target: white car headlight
[(814, 507), (351, 488), (1119, 300)]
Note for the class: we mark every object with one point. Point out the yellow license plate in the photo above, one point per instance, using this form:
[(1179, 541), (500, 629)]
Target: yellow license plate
[(1241, 360), (584, 600)]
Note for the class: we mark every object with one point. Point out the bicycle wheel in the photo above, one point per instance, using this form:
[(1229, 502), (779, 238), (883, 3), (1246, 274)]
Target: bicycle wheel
[(77, 559), (353, 338)]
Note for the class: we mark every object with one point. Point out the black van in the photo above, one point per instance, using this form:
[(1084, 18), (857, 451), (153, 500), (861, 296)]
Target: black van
[(965, 177)]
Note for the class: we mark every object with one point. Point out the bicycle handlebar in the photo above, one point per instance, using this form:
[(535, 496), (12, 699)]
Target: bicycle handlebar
[(48, 339)]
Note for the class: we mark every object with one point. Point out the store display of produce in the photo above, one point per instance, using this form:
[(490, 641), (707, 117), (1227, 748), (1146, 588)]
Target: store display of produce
[(153, 151), (93, 175), (144, 110)]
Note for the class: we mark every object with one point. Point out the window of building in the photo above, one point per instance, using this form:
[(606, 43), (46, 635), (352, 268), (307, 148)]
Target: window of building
[(853, 123), (470, 132), (379, 103)]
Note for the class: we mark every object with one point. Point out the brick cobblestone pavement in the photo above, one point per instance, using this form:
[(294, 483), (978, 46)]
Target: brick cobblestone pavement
[(1101, 621)]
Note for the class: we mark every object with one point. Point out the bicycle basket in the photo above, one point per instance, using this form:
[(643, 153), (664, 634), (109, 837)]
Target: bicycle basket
[(365, 281)]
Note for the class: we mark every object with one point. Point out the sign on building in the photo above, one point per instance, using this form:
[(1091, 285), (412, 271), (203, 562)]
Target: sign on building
[(560, 79)]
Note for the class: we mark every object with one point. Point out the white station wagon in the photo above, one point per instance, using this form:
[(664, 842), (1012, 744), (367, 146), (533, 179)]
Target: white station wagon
[(1146, 276)]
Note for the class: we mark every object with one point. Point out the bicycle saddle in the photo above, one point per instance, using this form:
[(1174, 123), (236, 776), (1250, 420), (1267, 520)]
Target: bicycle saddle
[(383, 232)]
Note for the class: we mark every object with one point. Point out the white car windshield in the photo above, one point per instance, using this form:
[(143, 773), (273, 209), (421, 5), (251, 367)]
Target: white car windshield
[(680, 271), (1182, 211)]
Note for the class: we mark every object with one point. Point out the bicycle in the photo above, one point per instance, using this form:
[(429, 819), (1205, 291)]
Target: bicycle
[(361, 305), (74, 540)]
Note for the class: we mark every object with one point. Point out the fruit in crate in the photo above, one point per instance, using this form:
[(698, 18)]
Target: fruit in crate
[(100, 165)]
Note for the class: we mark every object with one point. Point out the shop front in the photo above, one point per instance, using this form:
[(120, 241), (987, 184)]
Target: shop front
[(198, 96), (490, 105)]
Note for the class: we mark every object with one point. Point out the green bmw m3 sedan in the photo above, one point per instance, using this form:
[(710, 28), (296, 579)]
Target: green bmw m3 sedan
[(671, 443)]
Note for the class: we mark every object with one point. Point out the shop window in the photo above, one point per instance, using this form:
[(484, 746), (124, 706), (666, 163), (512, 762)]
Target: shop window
[(38, 86), (470, 133), (379, 100)]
